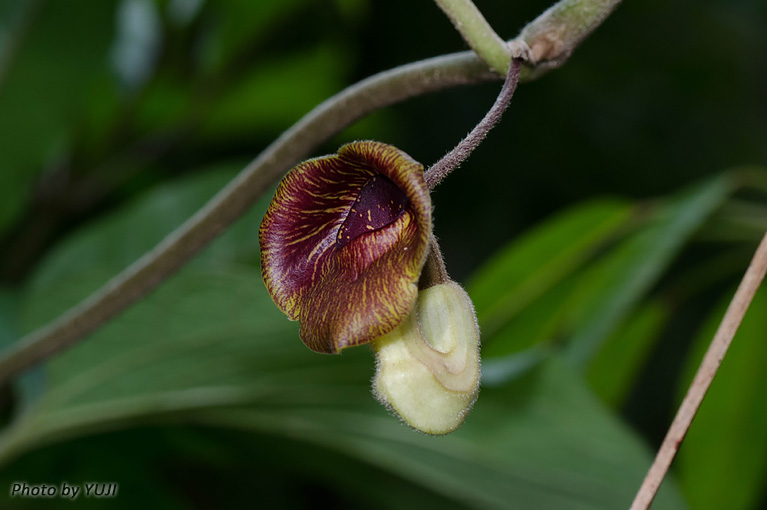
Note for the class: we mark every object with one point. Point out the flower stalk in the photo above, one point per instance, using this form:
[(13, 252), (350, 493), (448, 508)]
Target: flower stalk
[(434, 270), (453, 159)]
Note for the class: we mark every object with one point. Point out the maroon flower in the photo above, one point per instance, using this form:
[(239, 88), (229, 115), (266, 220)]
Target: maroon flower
[(344, 241)]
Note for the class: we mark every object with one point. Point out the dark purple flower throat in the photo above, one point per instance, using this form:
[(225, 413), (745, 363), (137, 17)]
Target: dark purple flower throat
[(379, 203)]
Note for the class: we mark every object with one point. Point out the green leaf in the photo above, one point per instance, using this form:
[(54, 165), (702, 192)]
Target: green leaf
[(134, 459), (240, 25), (277, 93), (119, 239), (723, 460), (589, 306), (209, 347), (60, 56), (528, 267), (634, 267), (173, 464), (223, 321), (534, 326), (615, 368), (544, 443)]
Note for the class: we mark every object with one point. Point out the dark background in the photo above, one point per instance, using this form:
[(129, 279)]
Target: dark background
[(103, 102)]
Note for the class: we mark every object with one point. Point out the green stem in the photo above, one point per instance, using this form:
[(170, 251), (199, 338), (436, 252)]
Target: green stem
[(478, 33)]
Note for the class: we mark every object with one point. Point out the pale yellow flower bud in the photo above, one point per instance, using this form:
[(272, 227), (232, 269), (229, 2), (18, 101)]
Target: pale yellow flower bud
[(428, 367)]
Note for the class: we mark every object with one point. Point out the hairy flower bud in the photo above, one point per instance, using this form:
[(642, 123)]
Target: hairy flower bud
[(428, 367)]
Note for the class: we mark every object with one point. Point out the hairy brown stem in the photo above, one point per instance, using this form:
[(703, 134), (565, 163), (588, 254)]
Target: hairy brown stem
[(434, 271), (700, 384), (453, 159)]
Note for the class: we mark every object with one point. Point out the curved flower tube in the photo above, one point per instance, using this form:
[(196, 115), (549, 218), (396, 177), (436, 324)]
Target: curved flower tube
[(344, 241)]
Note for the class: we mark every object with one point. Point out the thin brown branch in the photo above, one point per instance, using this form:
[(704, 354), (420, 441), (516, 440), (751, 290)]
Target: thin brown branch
[(700, 384)]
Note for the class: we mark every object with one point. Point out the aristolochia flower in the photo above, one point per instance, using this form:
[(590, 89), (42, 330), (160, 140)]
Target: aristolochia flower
[(344, 241)]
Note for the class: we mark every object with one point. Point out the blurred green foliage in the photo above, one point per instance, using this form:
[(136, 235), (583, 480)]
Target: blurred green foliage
[(600, 231)]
